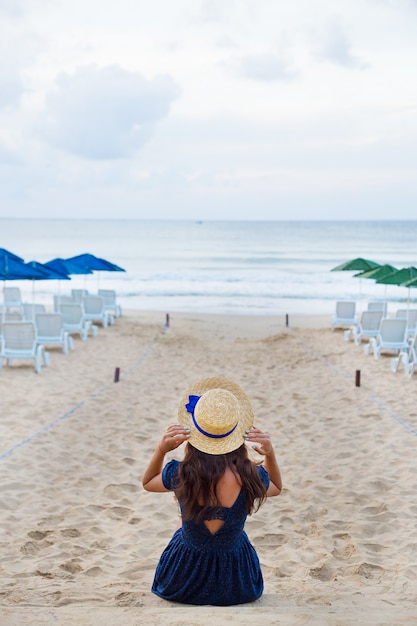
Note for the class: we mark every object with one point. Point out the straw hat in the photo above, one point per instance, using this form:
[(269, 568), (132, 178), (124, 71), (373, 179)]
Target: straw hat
[(217, 412)]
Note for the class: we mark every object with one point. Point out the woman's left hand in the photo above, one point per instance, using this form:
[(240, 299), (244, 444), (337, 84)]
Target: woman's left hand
[(263, 441)]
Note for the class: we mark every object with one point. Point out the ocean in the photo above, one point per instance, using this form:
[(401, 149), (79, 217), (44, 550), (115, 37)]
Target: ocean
[(251, 268)]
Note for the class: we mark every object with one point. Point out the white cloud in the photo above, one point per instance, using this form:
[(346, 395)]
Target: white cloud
[(265, 67), (207, 107), (105, 113), (338, 49)]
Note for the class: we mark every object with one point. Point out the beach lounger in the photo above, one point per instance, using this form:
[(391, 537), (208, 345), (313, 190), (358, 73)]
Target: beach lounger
[(78, 294), (378, 306), (30, 311), (58, 300), (12, 316), (407, 357), (345, 314), (110, 303), (411, 316), (392, 336), (74, 322), (50, 331), (368, 326), (93, 307), (12, 299), (19, 341)]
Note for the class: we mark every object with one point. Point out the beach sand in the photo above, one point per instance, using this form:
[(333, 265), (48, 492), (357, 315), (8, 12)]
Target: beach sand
[(80, 538)]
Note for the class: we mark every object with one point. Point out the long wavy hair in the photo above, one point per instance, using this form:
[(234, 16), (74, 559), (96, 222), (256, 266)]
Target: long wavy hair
[(199, 474)]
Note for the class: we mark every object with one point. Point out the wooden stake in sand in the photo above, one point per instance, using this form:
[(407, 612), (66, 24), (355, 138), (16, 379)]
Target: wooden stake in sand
[(117, 374), (358, 378)]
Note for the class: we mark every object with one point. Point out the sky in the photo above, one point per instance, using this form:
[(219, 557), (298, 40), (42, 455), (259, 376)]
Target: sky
[(208, 109)]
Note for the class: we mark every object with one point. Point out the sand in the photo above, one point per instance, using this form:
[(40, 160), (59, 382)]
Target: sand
[(80, 538)]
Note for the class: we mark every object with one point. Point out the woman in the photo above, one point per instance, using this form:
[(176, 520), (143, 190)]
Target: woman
[(209, 559)]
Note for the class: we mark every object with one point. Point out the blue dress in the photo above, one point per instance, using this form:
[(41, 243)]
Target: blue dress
[(200, 567)]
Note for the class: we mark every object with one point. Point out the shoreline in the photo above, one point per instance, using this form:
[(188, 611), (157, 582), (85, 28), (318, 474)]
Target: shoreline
[(81, 538)]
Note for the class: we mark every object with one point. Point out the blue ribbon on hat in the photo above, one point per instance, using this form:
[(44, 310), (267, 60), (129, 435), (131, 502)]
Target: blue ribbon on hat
[(190, 409)]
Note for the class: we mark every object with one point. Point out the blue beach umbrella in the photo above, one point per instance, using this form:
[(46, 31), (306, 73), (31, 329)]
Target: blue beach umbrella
[(11, 269), (95, 264), (46, 273), (10, 255), (63, 266)]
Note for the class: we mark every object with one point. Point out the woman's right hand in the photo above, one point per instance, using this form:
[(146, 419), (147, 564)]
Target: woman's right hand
[(173, 437)]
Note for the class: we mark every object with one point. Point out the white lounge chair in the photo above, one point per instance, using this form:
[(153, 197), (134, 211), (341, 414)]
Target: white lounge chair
[(378, 306), (50, 331), (411, 316), (12, 316), (30, 311), (12, 299), (110, 303), (407, 357), (58, 300), (19, 341), (93, 307), (392, 336), (368, 326), (78, 294), (74, 322), (345, 314)]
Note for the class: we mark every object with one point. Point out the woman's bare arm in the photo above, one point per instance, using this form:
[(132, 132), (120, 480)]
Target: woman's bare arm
[(173, 437), (265, 448)]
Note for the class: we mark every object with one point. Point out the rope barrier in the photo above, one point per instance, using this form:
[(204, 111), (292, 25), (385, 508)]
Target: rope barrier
[(95, 394), (379, 404)]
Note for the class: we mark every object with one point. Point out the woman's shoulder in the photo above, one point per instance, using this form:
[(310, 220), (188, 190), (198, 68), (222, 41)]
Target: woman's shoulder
[(170, 474), (263, 475)]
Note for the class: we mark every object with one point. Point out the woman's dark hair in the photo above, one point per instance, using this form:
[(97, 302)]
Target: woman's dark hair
[(199, 474)]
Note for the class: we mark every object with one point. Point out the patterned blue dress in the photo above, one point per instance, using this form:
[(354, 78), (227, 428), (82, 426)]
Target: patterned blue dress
[(199, 567)]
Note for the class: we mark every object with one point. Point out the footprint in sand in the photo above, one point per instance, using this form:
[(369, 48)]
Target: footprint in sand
[(72, 567), (116, 492), (368, 570), (38, 535), (325, 572), (119, 512), (70, 532)]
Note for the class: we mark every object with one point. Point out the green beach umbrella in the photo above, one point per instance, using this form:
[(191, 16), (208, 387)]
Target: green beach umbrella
[(357, 264), (400, 278), (410, 283), (377, 272)]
